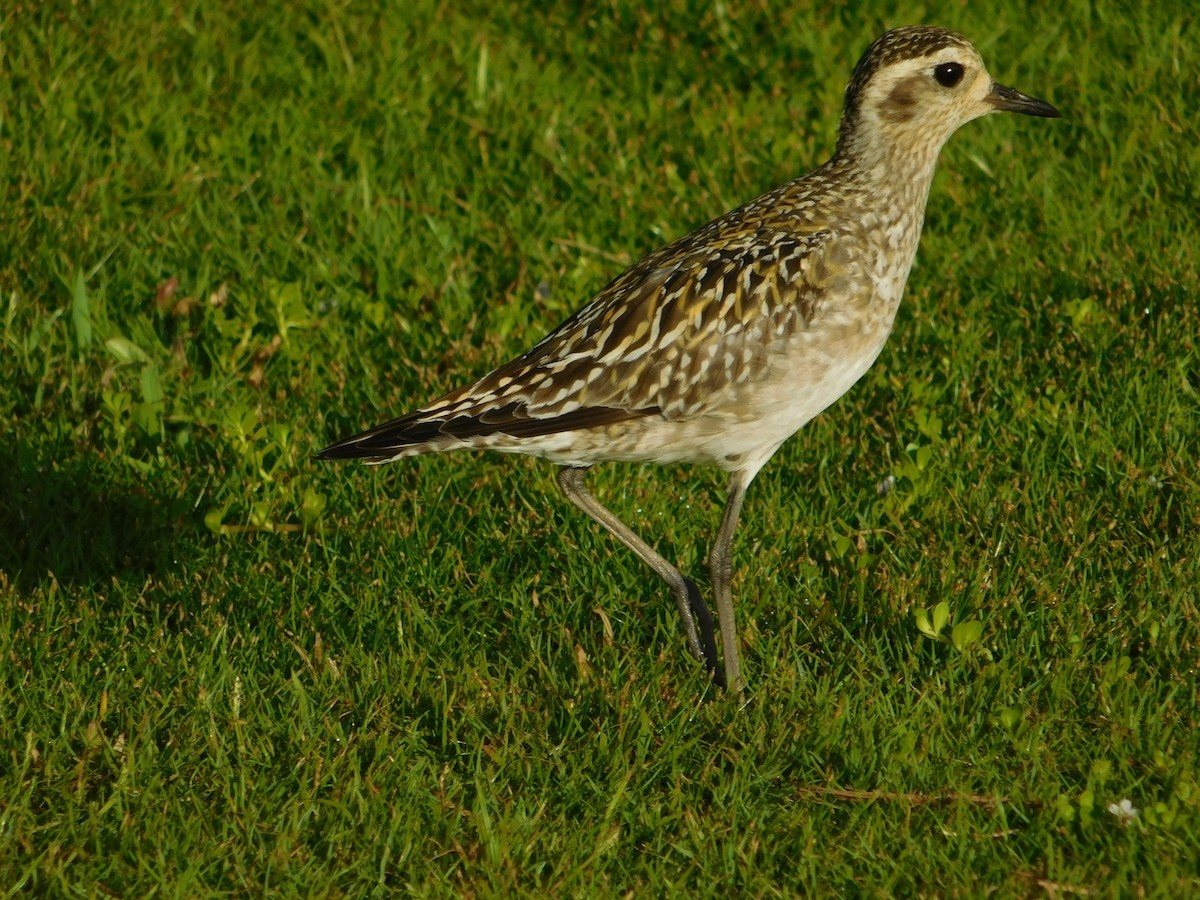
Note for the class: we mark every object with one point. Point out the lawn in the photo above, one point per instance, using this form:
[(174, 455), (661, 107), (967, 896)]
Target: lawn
[(231, 235)]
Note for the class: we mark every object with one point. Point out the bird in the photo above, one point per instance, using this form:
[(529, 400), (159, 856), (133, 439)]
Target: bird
[(717, 347)]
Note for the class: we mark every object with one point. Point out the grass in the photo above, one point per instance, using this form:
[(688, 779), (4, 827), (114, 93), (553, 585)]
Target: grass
[(232, 235)]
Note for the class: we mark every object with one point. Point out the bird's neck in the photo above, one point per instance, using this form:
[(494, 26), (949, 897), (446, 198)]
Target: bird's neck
[(892, 180), (893, 164)]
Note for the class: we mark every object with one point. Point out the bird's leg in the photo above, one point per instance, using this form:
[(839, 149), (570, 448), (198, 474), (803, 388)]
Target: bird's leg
[(702, 641), (721, 565)]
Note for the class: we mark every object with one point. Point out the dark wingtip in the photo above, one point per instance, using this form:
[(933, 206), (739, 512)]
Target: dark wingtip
[(370, 445), (416, 434), (340, 450), (384, 441), (364, 445)]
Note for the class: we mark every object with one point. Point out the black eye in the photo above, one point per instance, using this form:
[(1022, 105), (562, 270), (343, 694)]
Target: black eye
[(948, 74)]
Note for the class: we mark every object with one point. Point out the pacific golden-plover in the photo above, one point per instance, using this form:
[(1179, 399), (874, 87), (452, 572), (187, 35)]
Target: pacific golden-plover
[(718, 347)]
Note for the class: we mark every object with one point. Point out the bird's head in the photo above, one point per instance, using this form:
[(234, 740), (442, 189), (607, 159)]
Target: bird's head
[(914, 87)]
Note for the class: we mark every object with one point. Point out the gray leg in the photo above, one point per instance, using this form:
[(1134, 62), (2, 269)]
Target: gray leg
[(687, 597), (721, 565)]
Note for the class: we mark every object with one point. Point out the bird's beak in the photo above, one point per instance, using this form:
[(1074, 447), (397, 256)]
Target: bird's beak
[(1010, 100)]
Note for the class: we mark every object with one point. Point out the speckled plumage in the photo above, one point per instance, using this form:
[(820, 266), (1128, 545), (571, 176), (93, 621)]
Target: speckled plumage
[(719, 346)]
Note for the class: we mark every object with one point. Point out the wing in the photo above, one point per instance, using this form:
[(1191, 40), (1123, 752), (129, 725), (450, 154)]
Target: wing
[(668, 337), (672, 338)]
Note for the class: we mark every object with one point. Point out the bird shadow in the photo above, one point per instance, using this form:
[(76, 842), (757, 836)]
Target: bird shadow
[(68, 519)]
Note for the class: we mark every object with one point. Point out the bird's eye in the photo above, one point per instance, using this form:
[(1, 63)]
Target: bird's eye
[(948, 74)]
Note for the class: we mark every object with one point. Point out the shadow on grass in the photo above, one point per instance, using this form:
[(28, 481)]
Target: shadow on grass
[(69, 519)]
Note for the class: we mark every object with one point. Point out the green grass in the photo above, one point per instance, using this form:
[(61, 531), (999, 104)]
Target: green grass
[(229, 237)]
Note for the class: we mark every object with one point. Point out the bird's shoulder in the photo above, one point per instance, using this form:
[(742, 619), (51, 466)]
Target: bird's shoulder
[(755, 261)]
